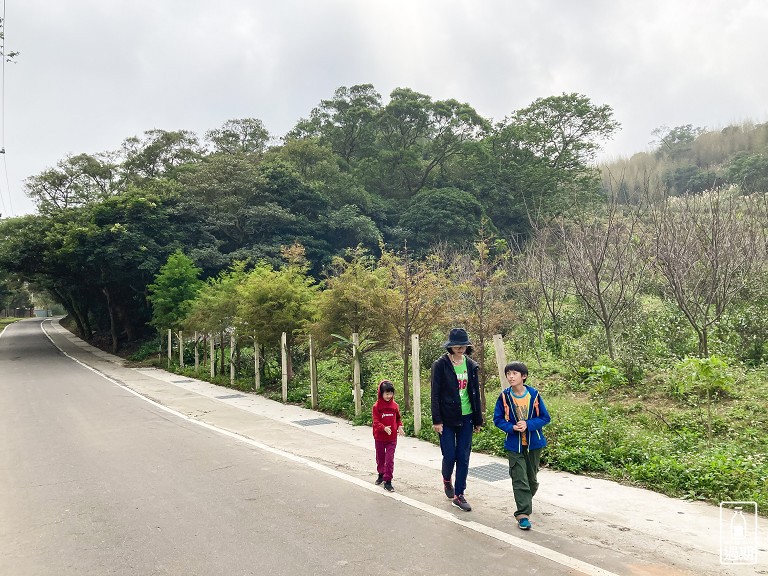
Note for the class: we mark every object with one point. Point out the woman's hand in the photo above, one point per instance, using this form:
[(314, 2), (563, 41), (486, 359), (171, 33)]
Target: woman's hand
[(437, 428)]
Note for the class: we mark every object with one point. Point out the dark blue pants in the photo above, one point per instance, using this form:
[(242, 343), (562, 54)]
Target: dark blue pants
[(456, 446)]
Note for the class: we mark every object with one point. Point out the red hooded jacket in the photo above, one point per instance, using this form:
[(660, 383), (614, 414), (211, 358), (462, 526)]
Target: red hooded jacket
[(385, 414)]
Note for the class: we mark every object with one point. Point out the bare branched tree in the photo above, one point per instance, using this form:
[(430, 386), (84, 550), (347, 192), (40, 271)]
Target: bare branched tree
[(541, 278), (483, 305), (606, 263), (708, 246)]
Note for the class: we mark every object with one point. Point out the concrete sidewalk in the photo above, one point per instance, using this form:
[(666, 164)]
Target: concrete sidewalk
[(622, 529)]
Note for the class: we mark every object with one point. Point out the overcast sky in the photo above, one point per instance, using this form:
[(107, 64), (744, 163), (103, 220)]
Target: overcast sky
[(93, 72)]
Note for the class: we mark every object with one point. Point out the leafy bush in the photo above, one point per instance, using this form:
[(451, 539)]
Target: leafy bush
[(149, 349), (600, 378), (490, 439), (430, 349), (743, 331), (334, 388), (710, 377)]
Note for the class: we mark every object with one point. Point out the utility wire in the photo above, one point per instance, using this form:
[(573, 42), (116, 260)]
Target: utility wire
[(2, 121)]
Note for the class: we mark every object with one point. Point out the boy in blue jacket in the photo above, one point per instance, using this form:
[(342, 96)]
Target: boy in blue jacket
[(520, 412)]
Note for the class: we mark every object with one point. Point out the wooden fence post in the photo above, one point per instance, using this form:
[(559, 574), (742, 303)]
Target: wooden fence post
[(256, 365), (312, 374), (501, 359), (197, 356), (212, 344), (356, 373), (284, 364), (181, 349), (170, 347), (416, 371), (232, 359)]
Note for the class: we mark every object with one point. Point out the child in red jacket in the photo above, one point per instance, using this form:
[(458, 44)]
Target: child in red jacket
[(387, 425)]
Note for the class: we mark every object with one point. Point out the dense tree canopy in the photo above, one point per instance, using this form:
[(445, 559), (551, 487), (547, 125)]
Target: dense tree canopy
[(360, 171)]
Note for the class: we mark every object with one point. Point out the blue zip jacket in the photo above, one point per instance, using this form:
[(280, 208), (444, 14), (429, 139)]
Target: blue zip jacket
[(504, 418)]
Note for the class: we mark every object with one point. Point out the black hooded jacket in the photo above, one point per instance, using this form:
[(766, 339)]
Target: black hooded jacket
[(446, 404)]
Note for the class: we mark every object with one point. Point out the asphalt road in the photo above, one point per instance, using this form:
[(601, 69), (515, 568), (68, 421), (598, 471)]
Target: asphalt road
[(94, 480)]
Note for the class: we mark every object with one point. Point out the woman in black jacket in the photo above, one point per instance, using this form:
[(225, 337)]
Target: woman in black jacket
[(456, 411)]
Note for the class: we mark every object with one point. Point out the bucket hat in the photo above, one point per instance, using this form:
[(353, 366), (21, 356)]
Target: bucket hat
[(457, 337)]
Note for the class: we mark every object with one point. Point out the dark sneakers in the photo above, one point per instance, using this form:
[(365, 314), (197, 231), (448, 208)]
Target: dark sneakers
[(460, 502), (448, 488), (379, 480), (388, 486)]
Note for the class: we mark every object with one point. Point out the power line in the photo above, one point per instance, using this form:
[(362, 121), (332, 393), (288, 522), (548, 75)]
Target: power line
[(2, 119)]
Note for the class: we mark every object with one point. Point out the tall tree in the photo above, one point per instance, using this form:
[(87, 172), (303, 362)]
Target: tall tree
[(442, 215), (122, 246), (276, 301), (417, 135), (239, 136), (417, 303), (673, 142), (542, 156), (346, 122), (173, 291), (356, 299), (214, 309), (160, 153), (31, 248), (76, 181), (606, 263), (539, 274)]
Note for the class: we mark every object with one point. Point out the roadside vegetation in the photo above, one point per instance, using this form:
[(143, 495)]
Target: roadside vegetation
[(658, 414), (690, 428)]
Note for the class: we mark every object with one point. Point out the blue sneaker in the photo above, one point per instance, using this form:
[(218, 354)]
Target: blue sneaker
[(524, 524)]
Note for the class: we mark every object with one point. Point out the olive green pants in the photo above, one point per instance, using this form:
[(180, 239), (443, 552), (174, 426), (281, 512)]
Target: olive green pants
[(523, 469)]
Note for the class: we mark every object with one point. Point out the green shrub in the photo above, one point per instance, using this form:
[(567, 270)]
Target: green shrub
[(149, 349), (490, 439), (601, 377), (702, 377)]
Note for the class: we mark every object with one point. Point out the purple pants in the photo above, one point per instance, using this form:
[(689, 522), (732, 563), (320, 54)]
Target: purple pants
[(385, 458)]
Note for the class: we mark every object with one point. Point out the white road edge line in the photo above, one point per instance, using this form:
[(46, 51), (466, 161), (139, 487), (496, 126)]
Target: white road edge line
[(525, 545)]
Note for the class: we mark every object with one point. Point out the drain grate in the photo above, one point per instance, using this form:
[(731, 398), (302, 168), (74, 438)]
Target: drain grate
[(313, 422), (491, 472), (228, 396)]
